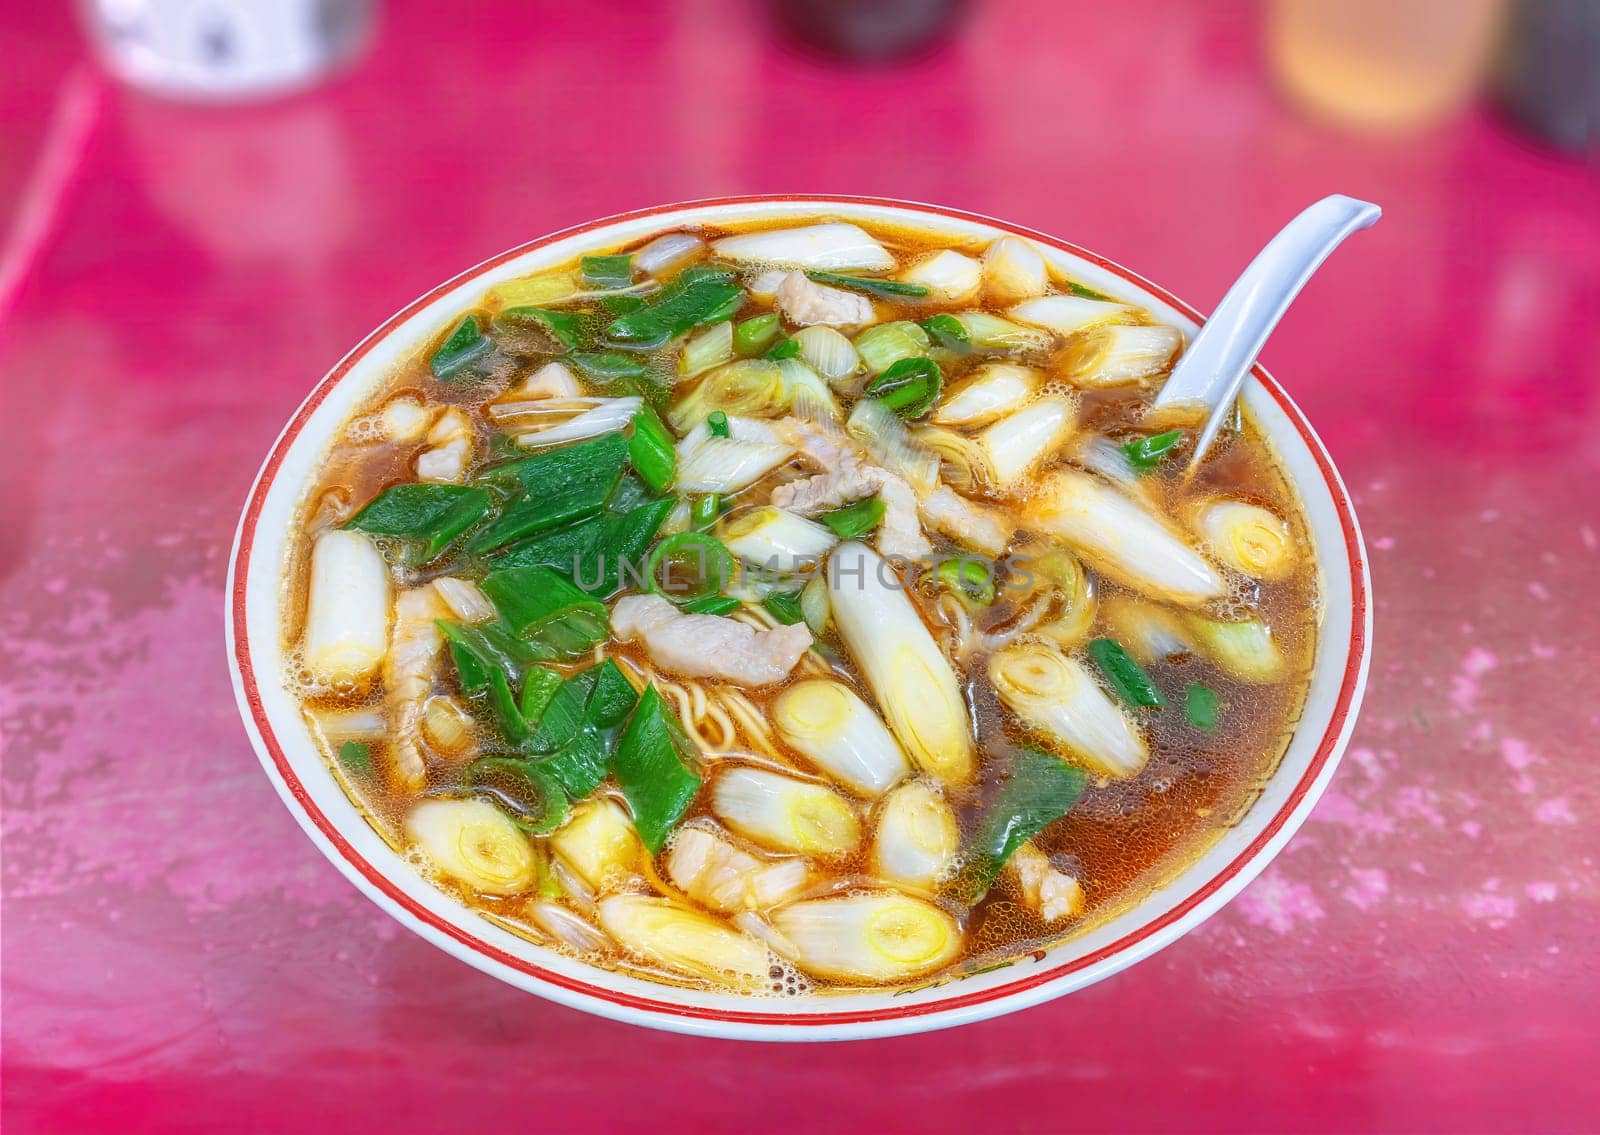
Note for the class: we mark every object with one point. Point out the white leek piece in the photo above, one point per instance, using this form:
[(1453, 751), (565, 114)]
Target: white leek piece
[(448, 728), (667, 253), (608, 416), (465, 599), (1246, 537), (831, 355), (598, 842), (711, 348), (909, 675), (814, 604), (1013, 270), (992, 391), (553, 380), (805, 391), (881, 432), (1072, 607), (686, 941), (1058, 699), (750, 388), (1149, 631), (949, 276), (828, 246), (763, 286), (917, 838), (1123, 539), (1121, 355), (347, 608), (991, 333), (785, 814), (708, 464), (770, 535), (1067, 314), (878, 936), (1018, 444), (566, 928), (1244, 650), (886, 344), (474, 843), (706, 866), (835, 730)]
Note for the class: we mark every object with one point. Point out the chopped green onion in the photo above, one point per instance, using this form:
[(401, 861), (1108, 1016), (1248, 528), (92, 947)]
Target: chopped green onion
[(717, 423), (503, 704), (1126, 676), (784, 348), (1038, 791), (870, 284), (538, 605), (967, 577), (713, 569), (620, 303), (703, 512), (559, 485), (909, 387), (785, 607), (654, 768), (1148, 452), (539, 688), (562, 328), (433, 514), (581, 765), (700, 295), (528, 794), (613, 697), (463, 347), (652, 451), (755, 335), (478, 650), (610, 368), (356, 757), (607, 271), (947, 331), (564, 716), (1202, 706), (713, 605), (623, 543), (855, 520)]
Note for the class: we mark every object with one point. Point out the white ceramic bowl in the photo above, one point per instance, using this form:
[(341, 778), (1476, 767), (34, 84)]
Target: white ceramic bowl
[(256, 595)]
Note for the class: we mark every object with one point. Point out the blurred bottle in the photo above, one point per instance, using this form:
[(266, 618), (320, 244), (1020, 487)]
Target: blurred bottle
[(218, 50), (1382, 63), (868, 31), (1548, 78)]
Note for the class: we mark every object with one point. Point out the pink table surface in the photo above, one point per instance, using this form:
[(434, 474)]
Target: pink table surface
[(178, 957)]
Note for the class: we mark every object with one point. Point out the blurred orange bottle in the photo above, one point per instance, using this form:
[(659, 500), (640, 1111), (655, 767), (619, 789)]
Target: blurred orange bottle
[(1382, 63)]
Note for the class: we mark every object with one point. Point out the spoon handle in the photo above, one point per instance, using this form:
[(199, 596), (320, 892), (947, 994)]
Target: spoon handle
[(1209, 374)]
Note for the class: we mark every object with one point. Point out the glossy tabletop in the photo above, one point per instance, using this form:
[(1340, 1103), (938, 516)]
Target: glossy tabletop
[(178, 957)]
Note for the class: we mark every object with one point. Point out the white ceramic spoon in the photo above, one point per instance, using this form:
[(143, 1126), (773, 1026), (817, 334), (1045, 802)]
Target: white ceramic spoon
[(1208, 376)]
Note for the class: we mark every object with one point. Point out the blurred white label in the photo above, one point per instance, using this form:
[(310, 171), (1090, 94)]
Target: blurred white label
[(221, 49)]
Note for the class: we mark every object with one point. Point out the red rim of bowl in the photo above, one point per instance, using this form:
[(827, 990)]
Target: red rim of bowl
[(1343, 708)]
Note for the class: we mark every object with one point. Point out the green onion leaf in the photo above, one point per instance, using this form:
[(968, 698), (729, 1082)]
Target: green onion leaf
[(1148, 452), (784, 348), (703, 512), (507, 715), (870, 285), (562, 329), (755, 335), (969, 578), (430, 513), (655, 770), (909, 387), (463, 347), (717, 423), (697, 566), (1087, 293), (527, 793), (540, 606), (539, 688), (607, 271), (948, 331), (1202, 706), (1038, 791), (479, 650), (559, 485), (713, 605), (652, 451), (613, 697), (1126, 676), (887, 343), (698, 296), (564, 716), (355, 757), (785, 607), (855, 520)]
